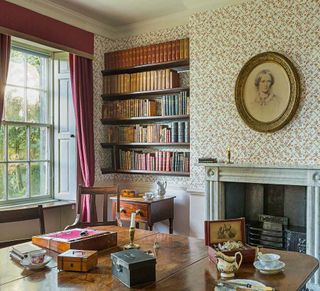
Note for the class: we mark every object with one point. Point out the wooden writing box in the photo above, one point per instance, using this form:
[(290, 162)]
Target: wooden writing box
[(77, 260), (220, 231), (62, 241)]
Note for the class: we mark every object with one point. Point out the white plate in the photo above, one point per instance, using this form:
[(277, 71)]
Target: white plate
[(265, 270), (242, 282), (26, 263)]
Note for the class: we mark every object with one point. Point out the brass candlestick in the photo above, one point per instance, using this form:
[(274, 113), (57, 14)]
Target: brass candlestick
[(228, 161), (131, 245)]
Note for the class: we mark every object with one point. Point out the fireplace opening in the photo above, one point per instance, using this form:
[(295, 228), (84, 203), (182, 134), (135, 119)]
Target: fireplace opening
[(275, 214)]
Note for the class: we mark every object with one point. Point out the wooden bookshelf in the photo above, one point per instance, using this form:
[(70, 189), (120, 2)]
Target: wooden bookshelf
[(143, 94), (154, 144), (162, 113), (142, 119), (108, 171), (180, 65)]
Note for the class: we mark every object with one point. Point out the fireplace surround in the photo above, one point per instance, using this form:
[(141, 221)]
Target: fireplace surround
[(217, 174)]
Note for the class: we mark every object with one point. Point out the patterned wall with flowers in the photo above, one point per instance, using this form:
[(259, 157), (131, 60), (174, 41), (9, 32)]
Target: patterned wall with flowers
[(102, 156), (222, 41)]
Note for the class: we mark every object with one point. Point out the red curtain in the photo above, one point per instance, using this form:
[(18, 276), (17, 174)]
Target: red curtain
[(82, 90), (5, 43)]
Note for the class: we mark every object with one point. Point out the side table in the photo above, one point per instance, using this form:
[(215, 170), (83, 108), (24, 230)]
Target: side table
[(147, 211)]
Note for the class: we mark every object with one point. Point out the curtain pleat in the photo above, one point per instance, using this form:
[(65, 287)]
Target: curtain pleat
[(5, 43), (82, 90)]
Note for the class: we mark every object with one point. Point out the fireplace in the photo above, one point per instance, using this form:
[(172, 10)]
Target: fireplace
[(221, 176), (275, 214)]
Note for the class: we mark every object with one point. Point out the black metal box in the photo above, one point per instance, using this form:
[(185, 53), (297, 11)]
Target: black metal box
[(133, 267)]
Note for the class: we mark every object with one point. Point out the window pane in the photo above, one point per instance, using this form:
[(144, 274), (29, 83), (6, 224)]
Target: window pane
[(2, 181), (37, 106), (33, 71), (17, 180), (17, 143), (38, 143), (14, 104), (16, 74), (38, 179), (1, 143)]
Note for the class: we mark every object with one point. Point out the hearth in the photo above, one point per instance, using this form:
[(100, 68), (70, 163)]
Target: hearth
[(219, 175), (275, 214)]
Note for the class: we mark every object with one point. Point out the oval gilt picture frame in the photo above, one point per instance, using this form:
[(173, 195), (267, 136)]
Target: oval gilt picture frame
[(267, 92)]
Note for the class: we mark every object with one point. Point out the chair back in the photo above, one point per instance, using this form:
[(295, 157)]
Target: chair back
[(23, 214), (93, 192)]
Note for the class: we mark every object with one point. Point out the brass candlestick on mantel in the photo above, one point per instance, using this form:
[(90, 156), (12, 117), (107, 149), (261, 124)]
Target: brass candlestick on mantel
[(228, 161)]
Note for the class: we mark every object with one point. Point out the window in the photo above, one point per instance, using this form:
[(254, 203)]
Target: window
[(26, 129)]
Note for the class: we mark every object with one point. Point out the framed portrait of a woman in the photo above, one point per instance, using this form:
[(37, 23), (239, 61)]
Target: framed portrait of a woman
[(267, 92)]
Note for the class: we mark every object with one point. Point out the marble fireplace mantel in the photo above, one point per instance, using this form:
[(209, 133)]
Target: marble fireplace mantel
[(308, 176)]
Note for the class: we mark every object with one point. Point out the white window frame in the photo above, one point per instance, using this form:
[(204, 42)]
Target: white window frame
[(49, 125)]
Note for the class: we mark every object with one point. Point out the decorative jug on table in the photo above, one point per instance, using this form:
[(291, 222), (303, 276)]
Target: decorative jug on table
[(161, 190), (228, 265)]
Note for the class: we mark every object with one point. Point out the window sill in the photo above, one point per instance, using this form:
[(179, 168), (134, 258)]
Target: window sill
[(45, 204)]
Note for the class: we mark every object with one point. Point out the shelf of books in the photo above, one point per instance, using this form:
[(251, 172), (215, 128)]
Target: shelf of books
[(145, 144), (171, 54), (143, 94), (145, 108), (108, 171)]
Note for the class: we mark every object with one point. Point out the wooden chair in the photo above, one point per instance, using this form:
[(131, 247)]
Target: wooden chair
[(23, 214), (105, 191)]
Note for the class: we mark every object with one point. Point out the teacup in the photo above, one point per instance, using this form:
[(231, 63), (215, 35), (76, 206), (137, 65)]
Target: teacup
[(268, 260), (37, 257), (148, 195)]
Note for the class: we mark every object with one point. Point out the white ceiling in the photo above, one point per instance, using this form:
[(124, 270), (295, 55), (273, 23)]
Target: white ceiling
[(117, 18)]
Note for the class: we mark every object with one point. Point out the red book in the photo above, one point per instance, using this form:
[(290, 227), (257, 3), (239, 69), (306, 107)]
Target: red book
[(153, 53), (165, 52), (177, 49), (157, 53), (161, 52), (169, 51), (173, 50), (149, 49)]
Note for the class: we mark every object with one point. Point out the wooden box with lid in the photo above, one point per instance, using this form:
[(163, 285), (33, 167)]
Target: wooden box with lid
[(77, 260), (228, 237), (77, 238)]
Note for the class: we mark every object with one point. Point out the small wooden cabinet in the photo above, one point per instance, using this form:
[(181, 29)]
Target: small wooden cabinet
[(148, 212)]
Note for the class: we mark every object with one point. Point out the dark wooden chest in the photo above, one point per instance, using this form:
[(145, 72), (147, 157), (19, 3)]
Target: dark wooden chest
[(133, 267)]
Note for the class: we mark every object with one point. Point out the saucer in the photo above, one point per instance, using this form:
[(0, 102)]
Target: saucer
[(269, 270), (147, 199), (26, 263)]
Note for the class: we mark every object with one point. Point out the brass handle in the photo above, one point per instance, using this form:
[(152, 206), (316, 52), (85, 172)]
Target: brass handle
[(139, 212), (122, 210)]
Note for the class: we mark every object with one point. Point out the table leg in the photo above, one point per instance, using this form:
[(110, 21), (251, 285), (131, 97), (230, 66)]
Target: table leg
[(171, 225), (150, 226), (137, 224)]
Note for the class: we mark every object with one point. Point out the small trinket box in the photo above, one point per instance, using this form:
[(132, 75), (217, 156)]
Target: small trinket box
[(77, 260), (133, 267), (227, 232)]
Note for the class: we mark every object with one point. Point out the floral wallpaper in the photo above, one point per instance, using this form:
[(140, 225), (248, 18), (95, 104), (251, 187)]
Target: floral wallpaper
[(221, 42)]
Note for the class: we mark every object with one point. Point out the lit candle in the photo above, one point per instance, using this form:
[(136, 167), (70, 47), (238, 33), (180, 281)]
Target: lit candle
[(133, 220)]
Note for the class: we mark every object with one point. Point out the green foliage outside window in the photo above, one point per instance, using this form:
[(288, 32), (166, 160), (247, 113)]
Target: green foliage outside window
[(24, 146)]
